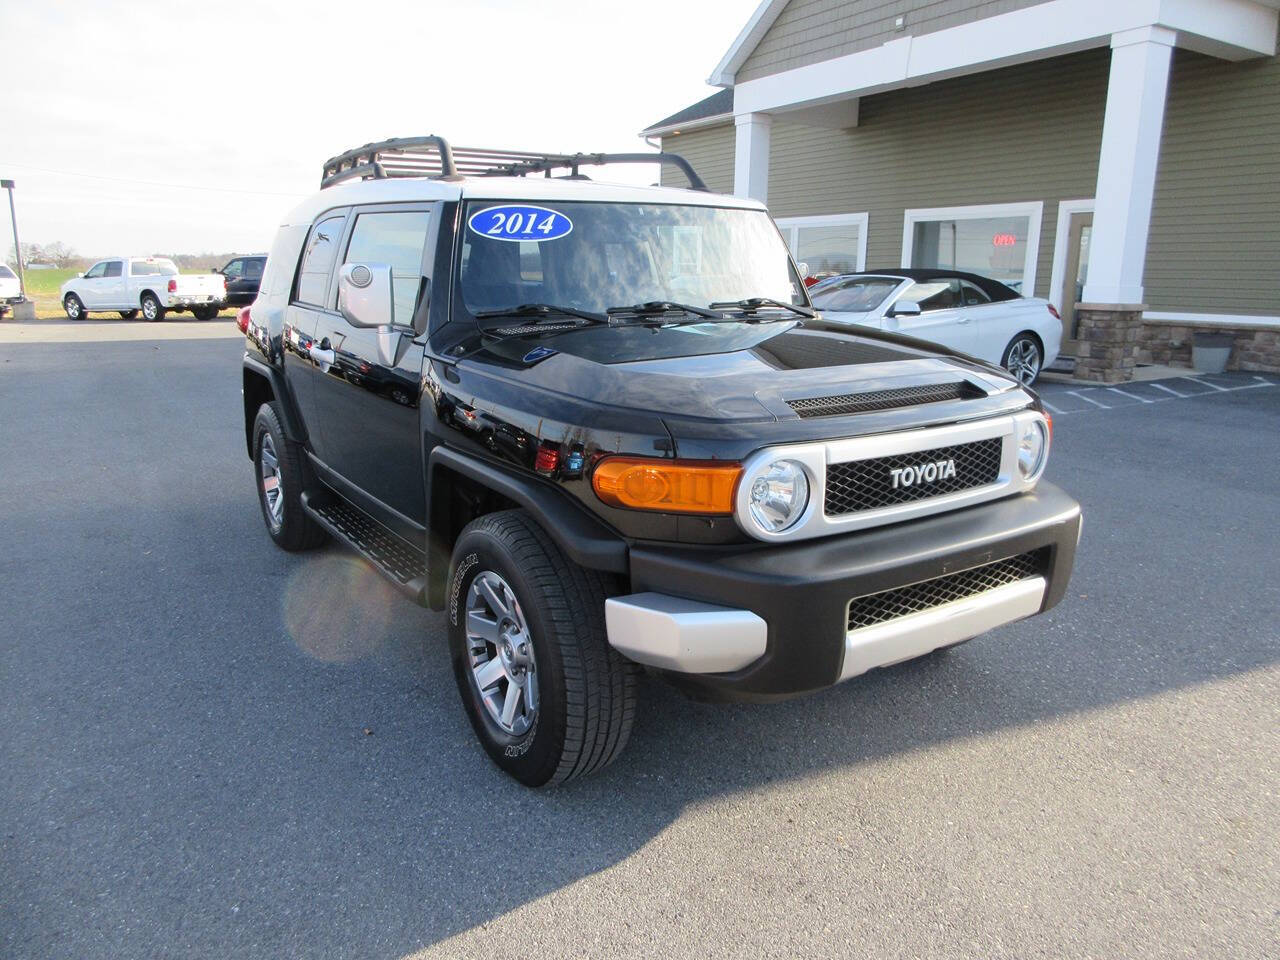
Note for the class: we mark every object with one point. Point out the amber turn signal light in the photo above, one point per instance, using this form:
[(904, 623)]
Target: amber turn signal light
[(668, 486)]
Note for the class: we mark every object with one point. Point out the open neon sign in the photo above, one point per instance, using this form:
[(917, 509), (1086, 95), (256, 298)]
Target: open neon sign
[(1004, 240)]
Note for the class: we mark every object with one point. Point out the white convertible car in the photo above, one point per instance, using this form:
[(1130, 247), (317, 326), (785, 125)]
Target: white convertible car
[(966, 312)]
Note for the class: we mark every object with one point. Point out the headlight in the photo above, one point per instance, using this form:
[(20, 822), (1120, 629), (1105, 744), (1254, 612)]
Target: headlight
[(778, 495), (1033, 449)]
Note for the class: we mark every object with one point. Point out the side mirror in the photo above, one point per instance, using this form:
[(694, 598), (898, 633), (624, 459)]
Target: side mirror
[(365, 294), (905, 308), (803, 268), (215, 269), (80, 276)]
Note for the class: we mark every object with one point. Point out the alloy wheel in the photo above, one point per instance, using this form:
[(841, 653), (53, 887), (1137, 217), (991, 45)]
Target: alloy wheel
[(272, 485), (1024, 361), (500, 654)]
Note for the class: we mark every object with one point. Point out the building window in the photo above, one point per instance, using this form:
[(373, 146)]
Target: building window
[(1000, 241), (830, 245)]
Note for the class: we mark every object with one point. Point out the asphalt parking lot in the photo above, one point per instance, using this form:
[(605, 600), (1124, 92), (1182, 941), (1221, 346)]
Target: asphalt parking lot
[(213, 749)]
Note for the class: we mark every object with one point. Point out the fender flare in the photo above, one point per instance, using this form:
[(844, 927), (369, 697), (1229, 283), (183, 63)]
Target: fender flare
[(584, 539), (292, 423)]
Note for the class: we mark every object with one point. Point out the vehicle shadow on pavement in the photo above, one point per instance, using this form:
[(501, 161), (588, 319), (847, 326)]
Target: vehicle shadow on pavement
[(216, 748)]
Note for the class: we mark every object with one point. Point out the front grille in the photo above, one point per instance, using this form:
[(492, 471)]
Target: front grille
[(904, 601), (881, 399), (869, 484)]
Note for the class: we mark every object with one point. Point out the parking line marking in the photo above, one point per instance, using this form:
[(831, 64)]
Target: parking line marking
[(1132, 396), (1161, 386), (1077, 393), (1049, 406), (1207, 384)]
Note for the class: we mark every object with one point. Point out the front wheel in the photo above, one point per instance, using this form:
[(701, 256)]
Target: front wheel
[(1023, 358), (152, 311), (548, 697), (75, 309)]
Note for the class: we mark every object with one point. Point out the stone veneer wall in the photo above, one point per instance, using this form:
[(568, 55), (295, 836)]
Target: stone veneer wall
[(1107, 348), (1169, 343)]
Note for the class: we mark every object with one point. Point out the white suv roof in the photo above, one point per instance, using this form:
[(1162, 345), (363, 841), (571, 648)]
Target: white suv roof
[(404, 190)]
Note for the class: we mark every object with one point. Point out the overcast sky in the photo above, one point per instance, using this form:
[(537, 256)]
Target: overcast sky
[(201, 123)]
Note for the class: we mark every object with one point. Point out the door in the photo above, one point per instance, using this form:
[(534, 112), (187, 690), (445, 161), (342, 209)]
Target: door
[(1075, 276), (89, 289), (112, 286), (232, 275), (251, 280), (302, 317), (943, 318), (367, 397)]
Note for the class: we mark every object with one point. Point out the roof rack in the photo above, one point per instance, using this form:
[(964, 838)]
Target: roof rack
[(433, 157)]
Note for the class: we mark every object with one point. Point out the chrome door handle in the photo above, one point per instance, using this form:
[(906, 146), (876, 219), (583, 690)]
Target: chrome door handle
[(320, 355)]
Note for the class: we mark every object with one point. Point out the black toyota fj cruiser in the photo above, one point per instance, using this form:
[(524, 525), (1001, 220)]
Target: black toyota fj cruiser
[(600, 427)]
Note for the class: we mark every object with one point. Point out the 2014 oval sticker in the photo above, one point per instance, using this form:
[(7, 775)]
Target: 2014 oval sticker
[(520, 222)]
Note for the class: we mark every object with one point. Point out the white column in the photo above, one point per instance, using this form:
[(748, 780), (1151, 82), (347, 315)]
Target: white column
[(1127, 164), (751, 156)]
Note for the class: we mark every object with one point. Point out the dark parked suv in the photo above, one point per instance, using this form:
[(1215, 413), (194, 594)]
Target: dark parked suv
[(243, 276), (601, 428)]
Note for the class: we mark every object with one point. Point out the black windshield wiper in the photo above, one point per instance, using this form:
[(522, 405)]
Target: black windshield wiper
[(662, 308), (535, 313), (753, 304)]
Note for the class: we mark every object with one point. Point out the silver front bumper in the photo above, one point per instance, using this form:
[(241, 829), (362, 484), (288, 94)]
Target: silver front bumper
[(685, 636), (904, 638)]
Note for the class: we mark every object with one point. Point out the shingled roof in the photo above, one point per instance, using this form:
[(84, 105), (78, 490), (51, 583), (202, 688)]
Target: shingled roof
[(719, 104)]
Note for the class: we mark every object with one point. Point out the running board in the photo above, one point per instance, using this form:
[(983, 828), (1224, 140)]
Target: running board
[(398, 560)]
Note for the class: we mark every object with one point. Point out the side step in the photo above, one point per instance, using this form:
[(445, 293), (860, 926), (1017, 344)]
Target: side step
[(397, 559)]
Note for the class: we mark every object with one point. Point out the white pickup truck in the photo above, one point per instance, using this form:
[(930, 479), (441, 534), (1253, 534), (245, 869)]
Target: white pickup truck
[(10, 289), (152, 285)]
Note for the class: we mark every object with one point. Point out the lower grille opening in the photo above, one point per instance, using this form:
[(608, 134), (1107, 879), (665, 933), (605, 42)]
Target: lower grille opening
[(903, 601)]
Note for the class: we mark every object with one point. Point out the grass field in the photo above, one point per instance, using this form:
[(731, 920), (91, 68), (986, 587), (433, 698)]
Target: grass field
[(43, 287)]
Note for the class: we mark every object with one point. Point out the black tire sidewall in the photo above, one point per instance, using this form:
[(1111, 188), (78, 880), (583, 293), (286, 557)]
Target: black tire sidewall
[(533, 757)]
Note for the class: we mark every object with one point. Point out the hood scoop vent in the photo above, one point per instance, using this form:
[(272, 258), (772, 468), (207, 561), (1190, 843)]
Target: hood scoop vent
[(883, 399)]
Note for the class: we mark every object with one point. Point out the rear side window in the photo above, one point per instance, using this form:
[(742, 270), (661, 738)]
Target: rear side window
[(941, 294), (395, 238), (252, 269), (114, 269), (972, 295), (317, 260), (6, 273)]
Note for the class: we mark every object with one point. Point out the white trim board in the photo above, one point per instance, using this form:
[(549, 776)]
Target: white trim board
[(1231, 29), (1210, 319), (1032, 210), (1061, 236), (790, 225)]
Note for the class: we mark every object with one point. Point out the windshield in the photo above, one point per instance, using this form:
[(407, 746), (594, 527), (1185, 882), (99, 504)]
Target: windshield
[(6, 273), (593, 256), (854, 294)]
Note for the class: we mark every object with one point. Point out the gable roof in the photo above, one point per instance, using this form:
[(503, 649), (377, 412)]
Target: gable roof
[(751, 35), (713, 109)]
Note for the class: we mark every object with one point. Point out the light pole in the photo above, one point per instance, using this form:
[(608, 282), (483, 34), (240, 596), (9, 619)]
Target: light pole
[(25, 310)]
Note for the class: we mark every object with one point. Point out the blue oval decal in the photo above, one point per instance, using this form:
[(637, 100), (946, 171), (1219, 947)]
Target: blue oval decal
[(520, 222)]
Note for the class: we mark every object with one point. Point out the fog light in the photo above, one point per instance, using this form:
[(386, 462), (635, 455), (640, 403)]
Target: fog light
[(1033, 449), (779, 494)]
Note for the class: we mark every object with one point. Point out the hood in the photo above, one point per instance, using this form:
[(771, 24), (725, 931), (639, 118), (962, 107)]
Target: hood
[(750, 392)]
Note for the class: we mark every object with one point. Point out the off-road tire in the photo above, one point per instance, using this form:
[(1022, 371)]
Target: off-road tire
[(296, 529), (128, 314), (74, 307), (152, 310), (586, 690)]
